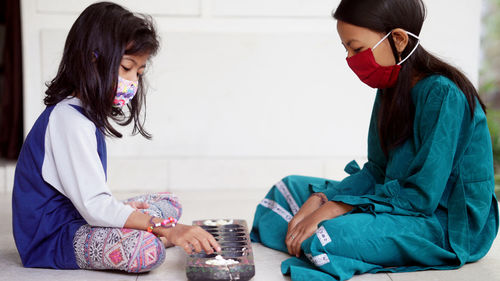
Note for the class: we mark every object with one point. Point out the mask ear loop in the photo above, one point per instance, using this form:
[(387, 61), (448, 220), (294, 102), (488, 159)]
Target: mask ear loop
[(381, 40), (411, 53), (414, 49)]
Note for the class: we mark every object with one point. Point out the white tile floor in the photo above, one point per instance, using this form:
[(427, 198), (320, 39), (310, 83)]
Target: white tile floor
[(217, 204)]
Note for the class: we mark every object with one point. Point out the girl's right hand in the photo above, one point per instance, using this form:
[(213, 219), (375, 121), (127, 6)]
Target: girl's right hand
[(310, 206), (191, 237)]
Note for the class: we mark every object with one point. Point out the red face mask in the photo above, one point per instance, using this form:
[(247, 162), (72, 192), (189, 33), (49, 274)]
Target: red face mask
[(372, 73)]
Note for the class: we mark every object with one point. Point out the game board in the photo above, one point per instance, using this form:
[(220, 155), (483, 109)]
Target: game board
[(234, 240)]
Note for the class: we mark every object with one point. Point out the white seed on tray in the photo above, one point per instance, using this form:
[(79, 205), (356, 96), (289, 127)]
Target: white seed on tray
[(219, 260), (217, 222)]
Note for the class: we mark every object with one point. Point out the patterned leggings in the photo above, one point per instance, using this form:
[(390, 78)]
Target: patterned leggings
[(131, 250)]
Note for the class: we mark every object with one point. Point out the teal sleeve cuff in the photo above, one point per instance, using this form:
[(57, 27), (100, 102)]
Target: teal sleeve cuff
[(359, 182), (386, 199)]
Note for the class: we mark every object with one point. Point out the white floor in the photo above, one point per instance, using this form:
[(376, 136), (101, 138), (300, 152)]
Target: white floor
[(217, 204)]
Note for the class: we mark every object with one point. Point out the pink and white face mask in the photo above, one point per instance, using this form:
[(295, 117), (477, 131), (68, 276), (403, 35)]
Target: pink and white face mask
[(125, 91)]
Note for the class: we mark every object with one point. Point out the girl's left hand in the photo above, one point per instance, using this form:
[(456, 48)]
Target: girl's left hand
[(138, 204), (303, 230), (308, 226)]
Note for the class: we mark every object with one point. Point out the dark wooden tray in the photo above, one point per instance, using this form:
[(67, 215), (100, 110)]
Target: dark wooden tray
[(235, 242)]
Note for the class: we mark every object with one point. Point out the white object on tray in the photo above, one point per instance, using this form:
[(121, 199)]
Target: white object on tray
[(219, 260), (217, 222)]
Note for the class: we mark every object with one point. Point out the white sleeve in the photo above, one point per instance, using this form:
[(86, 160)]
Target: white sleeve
[(72, 166)]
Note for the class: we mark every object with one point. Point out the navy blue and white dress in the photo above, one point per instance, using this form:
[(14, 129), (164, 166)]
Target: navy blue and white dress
[(60, 185)]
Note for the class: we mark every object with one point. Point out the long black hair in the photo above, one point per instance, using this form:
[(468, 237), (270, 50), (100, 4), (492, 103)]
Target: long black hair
[(94, 48), (397, 111)]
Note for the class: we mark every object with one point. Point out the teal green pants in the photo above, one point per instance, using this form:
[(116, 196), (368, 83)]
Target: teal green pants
[(355, 243)]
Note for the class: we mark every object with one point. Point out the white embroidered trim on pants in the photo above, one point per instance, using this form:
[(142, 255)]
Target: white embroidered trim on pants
[(277, 209), (323, 236), (318, 260), (289, 199)]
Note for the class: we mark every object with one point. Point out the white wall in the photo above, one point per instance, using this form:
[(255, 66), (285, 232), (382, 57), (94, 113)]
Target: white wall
[(243, 92)]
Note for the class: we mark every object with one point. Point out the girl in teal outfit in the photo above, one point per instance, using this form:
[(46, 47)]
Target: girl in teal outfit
[(425, 198)]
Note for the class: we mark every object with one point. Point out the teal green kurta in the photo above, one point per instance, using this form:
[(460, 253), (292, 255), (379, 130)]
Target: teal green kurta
[(429, 204)]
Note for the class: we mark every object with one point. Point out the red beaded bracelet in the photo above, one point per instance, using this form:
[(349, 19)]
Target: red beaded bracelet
[(166, 223)]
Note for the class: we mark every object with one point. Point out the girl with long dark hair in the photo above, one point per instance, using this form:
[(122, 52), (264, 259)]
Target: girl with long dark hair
[(425, 198), (64, 215)]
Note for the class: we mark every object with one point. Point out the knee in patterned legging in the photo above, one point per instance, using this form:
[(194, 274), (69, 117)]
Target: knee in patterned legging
[(104, 248), (161, 204), (149, 255), (173, 204)]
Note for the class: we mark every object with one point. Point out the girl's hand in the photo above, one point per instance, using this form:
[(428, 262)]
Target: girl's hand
[(311, 205), (138, 204), (191, 238), (305, 228), (300, 233)]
